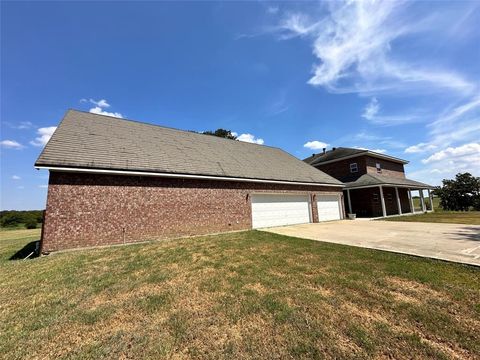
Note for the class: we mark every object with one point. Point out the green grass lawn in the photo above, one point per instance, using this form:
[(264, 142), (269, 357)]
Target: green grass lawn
[(439, 216), (239, 295), (418, 207)]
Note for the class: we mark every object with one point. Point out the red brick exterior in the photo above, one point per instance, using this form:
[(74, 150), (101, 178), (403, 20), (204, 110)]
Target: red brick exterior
[(341, 169), (389, 168), (93, 210), (366, 202), (365, 164)]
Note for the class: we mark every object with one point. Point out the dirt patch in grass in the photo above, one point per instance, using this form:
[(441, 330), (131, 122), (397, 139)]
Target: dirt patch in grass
[(241, 295)]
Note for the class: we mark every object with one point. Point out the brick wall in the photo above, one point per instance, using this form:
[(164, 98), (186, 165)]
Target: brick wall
[(366, 202), (366, 164), (92, 210), (389, 168), (341, 169)]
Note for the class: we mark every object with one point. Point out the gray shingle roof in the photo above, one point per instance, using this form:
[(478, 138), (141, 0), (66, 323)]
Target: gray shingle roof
[(370, 179), (85, 140), (342, 152)]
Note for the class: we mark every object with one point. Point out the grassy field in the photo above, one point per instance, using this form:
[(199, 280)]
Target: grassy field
[(239, 295), (439, 216), (418, 207)]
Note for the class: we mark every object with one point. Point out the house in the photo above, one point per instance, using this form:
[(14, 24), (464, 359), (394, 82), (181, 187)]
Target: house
[(115, 181), (375, 184)]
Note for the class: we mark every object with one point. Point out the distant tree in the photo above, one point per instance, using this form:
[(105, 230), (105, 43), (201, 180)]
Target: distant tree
[(15, 218), (460, 194), (31, 224), (227, 134)]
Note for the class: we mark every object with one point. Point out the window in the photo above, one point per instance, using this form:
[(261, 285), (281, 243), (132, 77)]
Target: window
[(353, 168), (379, 167)]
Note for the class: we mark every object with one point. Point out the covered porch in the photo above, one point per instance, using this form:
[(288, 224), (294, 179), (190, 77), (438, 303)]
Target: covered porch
[(380, 196)]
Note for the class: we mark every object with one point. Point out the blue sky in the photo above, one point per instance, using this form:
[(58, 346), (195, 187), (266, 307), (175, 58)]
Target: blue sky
[(398, 77)]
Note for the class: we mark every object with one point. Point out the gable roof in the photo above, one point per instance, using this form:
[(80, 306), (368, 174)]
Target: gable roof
[(367, 180), (90, 141), (342, 153)]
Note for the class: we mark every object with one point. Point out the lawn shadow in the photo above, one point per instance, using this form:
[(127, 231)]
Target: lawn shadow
[(29, 251)]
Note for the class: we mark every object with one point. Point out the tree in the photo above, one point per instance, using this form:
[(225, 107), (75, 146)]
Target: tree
[(227, 134), (460, 194)]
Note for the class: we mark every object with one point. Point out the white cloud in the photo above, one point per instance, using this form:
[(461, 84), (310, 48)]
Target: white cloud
[(466, 153), (11, 144), (248, 138), (272, 10), (372, 109), (459, 123), (16, 177), (315, 145), (420, 148), (22, 125), (100, 103), (380, 151), (45, 134), (353, 44), (371, 113), (43, 186), (98, 110), (99, 107)]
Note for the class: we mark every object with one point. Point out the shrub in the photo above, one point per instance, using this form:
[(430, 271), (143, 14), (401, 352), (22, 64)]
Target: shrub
[(31, 224)]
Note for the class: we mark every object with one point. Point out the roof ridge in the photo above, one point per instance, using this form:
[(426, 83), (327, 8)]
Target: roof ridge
[(169, 128)]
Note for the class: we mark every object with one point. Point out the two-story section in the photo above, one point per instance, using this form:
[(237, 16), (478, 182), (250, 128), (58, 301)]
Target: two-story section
[(375, 184)]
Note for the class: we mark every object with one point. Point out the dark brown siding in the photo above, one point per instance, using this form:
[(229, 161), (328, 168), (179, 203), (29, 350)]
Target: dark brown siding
[(91, 210)]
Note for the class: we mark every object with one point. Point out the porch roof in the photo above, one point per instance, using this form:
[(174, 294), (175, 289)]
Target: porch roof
[(370, 180)]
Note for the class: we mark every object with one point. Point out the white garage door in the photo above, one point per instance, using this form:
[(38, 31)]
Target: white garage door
[(277, 210), (328, 207)]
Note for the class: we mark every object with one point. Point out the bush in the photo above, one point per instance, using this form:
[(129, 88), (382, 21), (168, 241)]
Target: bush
[(31, 224)]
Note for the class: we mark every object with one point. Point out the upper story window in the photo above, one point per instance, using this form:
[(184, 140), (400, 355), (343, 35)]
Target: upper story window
[(353, 167), (379, 167)]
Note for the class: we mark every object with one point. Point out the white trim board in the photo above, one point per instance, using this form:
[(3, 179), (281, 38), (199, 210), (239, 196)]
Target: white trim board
[(179, 176)]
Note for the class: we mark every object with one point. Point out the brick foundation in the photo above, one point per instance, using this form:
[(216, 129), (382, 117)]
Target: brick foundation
[(92, 210)]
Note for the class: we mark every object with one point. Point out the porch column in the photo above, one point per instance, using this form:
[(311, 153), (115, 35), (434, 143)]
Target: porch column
[(422, 200), (411, 201), (382, 200), (349, 202), (399, 205), (431, 199)]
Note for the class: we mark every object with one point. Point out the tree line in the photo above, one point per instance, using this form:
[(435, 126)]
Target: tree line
[(14, 218)]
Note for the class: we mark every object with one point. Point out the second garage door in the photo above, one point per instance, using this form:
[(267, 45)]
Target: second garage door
[(328, 207), (279, 209)]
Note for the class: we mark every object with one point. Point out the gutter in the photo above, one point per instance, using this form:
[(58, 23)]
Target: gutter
[(178, 176)]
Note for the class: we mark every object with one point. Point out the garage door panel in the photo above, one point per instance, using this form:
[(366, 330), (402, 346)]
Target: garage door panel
[(277, 210), (328, 207)]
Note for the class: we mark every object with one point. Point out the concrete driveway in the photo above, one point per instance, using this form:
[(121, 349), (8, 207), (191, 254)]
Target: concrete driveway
[(452, 242)]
